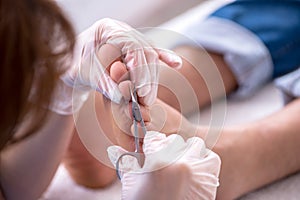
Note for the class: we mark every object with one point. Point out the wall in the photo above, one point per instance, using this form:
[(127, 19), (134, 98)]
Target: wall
[(137, 13)]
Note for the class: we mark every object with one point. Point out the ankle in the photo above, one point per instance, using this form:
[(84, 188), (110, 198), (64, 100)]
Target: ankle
[(232, 147)]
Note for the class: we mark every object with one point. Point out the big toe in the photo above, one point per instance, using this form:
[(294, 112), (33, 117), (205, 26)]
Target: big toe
[(118, 72)]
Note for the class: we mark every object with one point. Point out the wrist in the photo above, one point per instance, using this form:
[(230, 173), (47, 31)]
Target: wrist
[(67, 100)]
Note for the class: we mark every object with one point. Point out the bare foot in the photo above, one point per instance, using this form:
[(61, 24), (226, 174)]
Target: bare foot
[(84, 168), (159, 116), (116, 121)]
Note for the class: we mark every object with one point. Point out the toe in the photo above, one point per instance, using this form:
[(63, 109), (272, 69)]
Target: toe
[(118, 72)]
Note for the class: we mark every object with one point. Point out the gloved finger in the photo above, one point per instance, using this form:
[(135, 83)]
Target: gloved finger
[(109, 88), (153, 66), (153, 141), (175, 147), (140, 73), (205, 171), (161, 151), (116, 69), (151, 96), (170, 58), (141, 60), (92, 70), (204, 180), (143, 65), (197, 151), (127, 162), (211, 163), (114, 152), (156, 142), (195, 148), (118, 72), (107, 55)]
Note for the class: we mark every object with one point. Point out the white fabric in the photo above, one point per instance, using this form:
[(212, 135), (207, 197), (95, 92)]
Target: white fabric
[(141, 59), (289, 85), (200, 180), (243, 51)]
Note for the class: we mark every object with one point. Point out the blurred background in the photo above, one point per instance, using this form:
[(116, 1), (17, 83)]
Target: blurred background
[(137, 13)]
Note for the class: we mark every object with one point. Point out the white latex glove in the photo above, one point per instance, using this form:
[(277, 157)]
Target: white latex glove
[(140, 57), (67, 100), (173, 169)]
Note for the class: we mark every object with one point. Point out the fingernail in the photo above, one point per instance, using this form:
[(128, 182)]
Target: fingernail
[(177, 61)]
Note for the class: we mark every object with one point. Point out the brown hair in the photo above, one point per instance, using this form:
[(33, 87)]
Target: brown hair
[(36, 41)]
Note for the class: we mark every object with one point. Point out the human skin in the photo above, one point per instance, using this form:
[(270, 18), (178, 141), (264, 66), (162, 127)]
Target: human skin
[(37, 156), (116, 124), (275, 137), (258, 153), (83, 167), (207, 74), (271, 144)]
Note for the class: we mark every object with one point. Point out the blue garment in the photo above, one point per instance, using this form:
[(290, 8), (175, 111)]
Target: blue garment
[(275, 22)]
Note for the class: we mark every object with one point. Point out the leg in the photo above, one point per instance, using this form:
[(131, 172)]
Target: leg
[(207, 74), (275, 138), (259, 153)]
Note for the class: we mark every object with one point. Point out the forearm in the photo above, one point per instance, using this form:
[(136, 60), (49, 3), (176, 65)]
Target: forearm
[(28, 166)]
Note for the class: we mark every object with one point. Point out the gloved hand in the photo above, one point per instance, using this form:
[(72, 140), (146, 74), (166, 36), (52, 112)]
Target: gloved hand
[(173, 169), (67, 100), (139, 56)]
